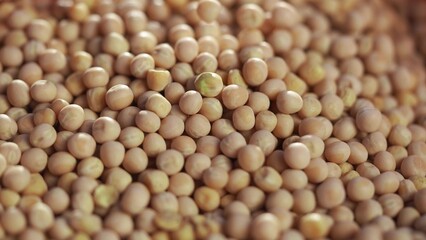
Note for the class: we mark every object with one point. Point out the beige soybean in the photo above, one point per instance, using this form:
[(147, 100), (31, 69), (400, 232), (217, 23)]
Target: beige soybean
[(60, 163), (337, 152), (368, 120), (400, 135), (266, 120), (105, 129), (40, 216), (384, 161), (170, 161), (258, 102), (34, 159), (243, 118), (265, 140), (315, 225), (111, 153), (46, 115), (186, 49), (267, 179), (391, 204), (317, 170), (211, 108), (43, 91), (119, 97), (11, 152), (158, 104), (250, 158), (255, 71), (238, 180), (165, 201), (294, 179), (342, 213), (204, 62), (297, 156), (95, 77), (206, 198), (71, 117), (386, 182), (81, 145), (252, 197), (330, 193), (117, 177), (345, 128), (8, 127), (318, 126), (284, 9), (271, 87), (57, 199), (18, 93), (360, 189), (221, 128), (368, 170), (304, 201), (190, 102), (197, 126), (140, 65), (208, 145), (135, 160), (332, 106), (375, 142), (265, 226), (367, 210), (215, 177), (234, 96), (119, 222), (208, 10), (13, 220), (51, 60), (12, 173), (155, 180), (311, 106), (158, 79), (131, 137), (91, 167), (231, 144), (181, 184), (196, 163), (135, 198), (147, 121), (43, 136)]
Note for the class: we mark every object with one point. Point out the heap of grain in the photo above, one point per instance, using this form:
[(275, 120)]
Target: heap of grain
[(229, 119)]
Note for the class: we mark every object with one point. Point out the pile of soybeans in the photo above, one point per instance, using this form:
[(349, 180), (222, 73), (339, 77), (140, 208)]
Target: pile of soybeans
[(211, 119)]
